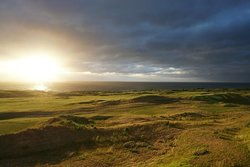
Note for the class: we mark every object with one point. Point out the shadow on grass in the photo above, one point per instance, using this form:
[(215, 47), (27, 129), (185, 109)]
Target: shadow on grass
[(57, 140), (225, 98), (37, 114), (51, 157), (11, 115)]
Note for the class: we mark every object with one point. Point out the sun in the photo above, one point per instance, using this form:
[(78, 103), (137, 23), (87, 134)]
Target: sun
[(36, 67), (40, 87)]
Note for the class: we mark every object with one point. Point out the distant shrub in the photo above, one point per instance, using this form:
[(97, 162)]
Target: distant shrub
[(201, 152), (100, 117), (129, 144), (186, 116)]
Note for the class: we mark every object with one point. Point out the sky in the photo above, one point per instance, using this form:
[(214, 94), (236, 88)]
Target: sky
[(132, 40)]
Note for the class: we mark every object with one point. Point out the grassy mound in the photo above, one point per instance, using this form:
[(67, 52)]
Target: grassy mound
[(52, 134), (153, 99), (40, 139), (225, 98), (51, 137), (68, 120)]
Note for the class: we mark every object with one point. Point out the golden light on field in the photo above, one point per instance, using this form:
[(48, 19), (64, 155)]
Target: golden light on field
[(37, 67)]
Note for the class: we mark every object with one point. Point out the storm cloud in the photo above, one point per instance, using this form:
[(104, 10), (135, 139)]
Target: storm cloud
[(153, 40)]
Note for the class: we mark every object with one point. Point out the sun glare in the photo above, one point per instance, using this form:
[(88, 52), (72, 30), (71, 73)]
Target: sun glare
[(37, 67), (40, 87)]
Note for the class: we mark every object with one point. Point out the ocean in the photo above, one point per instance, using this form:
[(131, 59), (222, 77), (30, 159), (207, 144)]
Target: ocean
[(119, 86)]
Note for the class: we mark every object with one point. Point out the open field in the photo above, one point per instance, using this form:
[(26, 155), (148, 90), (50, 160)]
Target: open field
[(198, 127)]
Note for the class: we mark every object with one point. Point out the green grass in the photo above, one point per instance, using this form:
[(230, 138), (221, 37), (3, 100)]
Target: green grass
[(244, 135), (52, 103), (16, 125), (177, 163), (158, 118)]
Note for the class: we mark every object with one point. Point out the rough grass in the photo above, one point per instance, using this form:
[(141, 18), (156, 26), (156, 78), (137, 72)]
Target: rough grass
[(225, 98), (68, 120), (135, 128), (153, 99), (59, 132)]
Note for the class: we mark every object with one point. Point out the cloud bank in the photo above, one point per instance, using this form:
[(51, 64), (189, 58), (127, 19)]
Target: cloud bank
[(139, 40)]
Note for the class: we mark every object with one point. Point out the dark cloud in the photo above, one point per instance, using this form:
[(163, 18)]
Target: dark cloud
[(195, 40)]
